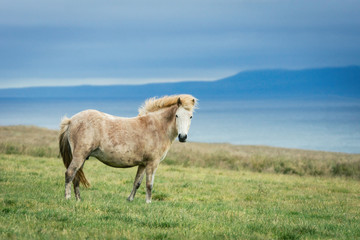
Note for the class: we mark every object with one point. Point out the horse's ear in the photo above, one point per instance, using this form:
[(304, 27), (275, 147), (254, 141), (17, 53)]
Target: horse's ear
[(179, 102)]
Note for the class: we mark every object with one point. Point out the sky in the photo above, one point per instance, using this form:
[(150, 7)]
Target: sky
[(63, 42)]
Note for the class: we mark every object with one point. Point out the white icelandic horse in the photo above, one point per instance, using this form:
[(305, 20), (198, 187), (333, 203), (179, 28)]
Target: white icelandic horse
[(119, 142)]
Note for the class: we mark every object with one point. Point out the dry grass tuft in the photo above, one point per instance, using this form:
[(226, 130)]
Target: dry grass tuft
[(29, 140), (266, 159)]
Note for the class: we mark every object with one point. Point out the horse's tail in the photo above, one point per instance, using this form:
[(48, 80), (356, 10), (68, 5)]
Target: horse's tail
[(65, 150)]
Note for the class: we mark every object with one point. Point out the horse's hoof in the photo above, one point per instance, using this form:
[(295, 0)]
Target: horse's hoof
[(148, 201), (130, 199)]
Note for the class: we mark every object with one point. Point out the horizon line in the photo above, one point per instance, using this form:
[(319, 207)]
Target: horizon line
[(96, 82), (107, 82)]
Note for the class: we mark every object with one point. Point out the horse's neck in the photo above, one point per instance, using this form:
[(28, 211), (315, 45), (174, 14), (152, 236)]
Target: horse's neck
[(167, 117)]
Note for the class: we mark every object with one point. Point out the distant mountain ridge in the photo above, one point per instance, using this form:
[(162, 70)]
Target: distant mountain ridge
[(257, 84)]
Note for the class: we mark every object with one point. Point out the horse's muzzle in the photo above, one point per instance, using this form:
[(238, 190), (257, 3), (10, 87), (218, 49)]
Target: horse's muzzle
[(182, 137)]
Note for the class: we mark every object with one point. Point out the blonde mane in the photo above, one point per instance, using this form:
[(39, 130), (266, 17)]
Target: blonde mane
[(154, 104)]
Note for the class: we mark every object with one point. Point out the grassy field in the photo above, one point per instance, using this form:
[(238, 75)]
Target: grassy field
[(216, 202), (189, 203)]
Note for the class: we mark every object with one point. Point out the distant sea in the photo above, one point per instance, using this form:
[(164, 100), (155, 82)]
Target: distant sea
[(304, 124)]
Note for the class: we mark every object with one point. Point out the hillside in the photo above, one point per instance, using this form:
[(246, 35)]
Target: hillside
[(258, 84), (41, 142)]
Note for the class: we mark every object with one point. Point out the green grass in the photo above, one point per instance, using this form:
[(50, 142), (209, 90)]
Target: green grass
[(188, 203)]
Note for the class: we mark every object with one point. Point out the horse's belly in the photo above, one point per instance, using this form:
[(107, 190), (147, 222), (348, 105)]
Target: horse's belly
[(117, 159)]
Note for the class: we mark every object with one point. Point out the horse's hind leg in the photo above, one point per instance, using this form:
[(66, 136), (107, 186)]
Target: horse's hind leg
[(70, 173), (137, 182), (76, 183)]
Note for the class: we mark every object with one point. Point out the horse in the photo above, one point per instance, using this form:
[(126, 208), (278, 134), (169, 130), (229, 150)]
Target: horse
[(121, 142)]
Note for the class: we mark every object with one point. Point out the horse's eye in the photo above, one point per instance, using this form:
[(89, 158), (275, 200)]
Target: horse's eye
[(190, 117), (177, 115)]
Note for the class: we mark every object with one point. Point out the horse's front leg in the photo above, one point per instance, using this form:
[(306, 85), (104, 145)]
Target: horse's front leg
[(137, 182), (150, 174)]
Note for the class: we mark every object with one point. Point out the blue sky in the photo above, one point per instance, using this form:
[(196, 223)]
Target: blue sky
[(120, 42)]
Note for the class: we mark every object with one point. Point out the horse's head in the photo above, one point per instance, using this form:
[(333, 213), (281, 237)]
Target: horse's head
[(183, 121)]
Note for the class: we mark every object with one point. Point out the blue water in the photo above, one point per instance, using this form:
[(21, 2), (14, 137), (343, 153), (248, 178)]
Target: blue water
[(315, 125)]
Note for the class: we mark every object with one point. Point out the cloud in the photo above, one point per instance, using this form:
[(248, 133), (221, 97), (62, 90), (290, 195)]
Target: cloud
[(167, 39)]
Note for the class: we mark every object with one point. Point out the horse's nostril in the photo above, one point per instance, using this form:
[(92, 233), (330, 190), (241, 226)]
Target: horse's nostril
[(182, 138)]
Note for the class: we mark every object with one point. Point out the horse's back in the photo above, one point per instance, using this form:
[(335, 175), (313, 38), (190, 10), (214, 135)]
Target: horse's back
[(90, 114), (99, 125), (86, 127)]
